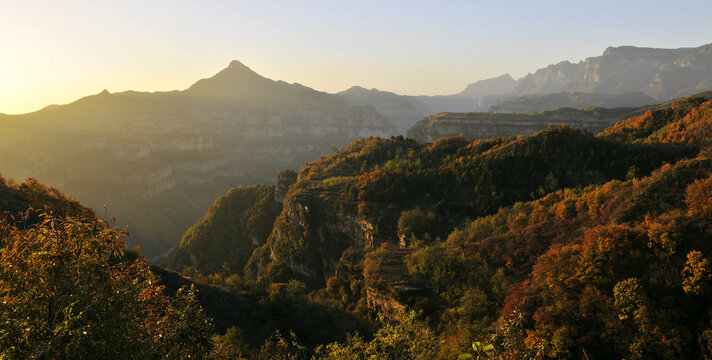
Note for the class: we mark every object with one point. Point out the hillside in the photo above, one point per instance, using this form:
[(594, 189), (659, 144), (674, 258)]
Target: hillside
[(235, 225), (683, 121), (357, 197), (485, 125), (601, 242), (156, 161), (20, 198)]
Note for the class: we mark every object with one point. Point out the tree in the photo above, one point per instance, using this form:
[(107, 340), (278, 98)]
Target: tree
[(696, 273), (230, 346), (406, 339), (64, 294)]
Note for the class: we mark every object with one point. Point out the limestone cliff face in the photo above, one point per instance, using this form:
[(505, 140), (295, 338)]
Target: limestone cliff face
[(487, 125), (310, 235), (285, 179), (135, 152), (659, 73)]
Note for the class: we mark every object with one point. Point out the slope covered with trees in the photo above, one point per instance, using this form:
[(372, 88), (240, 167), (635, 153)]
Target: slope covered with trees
[(556, 245), (233, 226)]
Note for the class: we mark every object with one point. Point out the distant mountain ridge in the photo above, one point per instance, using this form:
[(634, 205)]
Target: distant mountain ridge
[(625, 76), (156, 161), (404, 110), (483, 125), (502, 84), (659, 73), (577, 100)]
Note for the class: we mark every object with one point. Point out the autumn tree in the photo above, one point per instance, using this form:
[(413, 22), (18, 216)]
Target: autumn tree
[(65, 295)]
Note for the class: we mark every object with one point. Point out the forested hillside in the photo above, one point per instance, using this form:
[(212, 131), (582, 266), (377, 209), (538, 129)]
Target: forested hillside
[(557, 245)]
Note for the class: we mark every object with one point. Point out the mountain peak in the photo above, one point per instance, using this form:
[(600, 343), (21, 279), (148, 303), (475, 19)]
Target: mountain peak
[(235, 77), (237, 65), (236, 68), (357, 90)]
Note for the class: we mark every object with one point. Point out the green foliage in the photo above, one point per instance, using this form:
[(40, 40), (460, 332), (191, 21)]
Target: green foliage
[(628, 297), (230, 346), (406, 339), (415, 223), (696, 273), (233, 227), (64, 296), (281, 347), (597, 252), (33, 198)]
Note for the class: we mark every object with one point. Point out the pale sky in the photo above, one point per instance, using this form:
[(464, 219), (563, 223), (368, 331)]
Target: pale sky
[(54, 52)]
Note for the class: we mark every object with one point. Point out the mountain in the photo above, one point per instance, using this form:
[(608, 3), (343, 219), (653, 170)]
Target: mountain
[(659, 73), (536, 103), (502, 84), (156, 161), (405, 110), (359, 196), (602, 242), (401, 110), (483, 125), (625, 76)]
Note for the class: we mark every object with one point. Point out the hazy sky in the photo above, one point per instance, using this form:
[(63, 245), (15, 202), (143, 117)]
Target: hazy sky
[(58, 51)]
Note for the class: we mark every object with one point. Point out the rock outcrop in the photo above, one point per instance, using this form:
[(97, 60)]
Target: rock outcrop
[(660, 73)]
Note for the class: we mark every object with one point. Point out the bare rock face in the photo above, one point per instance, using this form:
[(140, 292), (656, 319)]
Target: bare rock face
[(660, 73), (310, 235), (138, 155), (285, 179)]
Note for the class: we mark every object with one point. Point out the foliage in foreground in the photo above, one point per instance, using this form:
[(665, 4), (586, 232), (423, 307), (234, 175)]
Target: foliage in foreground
[(65, 294)]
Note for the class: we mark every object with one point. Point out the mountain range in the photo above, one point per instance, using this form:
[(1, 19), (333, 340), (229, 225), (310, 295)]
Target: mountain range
[(625, 76), (539, 246), (157, 160), (503, 241)]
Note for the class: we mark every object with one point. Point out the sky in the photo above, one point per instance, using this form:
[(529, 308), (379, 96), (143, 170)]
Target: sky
[(54, 52)]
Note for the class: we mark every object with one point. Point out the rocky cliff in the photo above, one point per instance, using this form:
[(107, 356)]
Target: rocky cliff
[(484, 125), (366, 195), (659, 73), (625, 76)]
